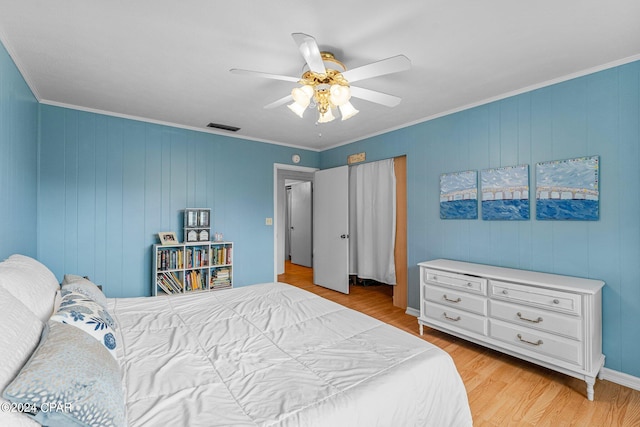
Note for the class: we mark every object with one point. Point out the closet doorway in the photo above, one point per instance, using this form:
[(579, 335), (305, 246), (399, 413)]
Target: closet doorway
[(295, 175)]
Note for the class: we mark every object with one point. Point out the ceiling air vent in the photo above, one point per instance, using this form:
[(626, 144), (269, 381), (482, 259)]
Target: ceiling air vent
[(223, 127)]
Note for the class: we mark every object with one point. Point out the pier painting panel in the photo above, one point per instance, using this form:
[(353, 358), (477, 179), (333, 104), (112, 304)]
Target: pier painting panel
[(505, 193), (459, 195), (568, 189)]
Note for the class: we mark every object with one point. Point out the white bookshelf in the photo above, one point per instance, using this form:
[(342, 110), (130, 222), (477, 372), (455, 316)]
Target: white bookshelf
[(191, 267)]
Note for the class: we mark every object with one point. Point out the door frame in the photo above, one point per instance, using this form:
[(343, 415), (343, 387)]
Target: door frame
[(279, 170)]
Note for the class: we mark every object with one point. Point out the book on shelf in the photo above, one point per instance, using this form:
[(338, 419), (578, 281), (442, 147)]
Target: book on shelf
[(221, 255), (220, 278), (169, 259), (169, 283), (163, 286), (197, 257), (193, 280)]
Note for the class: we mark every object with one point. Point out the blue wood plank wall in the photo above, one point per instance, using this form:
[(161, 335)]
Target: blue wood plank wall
[(18, 161), (108, 185), (598, 114), (105, 186)]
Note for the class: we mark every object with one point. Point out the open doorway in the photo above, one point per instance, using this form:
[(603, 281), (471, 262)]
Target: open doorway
[(284, 174)]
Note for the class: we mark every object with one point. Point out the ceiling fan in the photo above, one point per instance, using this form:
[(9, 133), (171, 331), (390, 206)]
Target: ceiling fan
[(326, 83)]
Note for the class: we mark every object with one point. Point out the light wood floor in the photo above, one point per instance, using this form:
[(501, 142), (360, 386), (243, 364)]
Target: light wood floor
[(502, 390)]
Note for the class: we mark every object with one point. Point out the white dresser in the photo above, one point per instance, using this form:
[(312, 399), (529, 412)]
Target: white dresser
[(551, 320)]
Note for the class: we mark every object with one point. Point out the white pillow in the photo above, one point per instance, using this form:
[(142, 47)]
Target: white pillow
[(83, 286), (30, 282), (19, 336)]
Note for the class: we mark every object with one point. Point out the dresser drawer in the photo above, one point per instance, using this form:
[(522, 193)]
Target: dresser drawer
[(552, 300), (537, 341), (457, 299), (454, 280), (556, 323), (455, 318)]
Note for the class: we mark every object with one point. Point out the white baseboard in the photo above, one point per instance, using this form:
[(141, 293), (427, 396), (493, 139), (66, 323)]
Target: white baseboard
[(412, 312), (620, 378)]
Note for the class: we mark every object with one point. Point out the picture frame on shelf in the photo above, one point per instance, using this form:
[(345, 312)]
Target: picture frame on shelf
[(168, 237)]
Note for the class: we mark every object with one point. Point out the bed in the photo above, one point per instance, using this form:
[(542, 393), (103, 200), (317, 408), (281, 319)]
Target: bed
[(262, 355)]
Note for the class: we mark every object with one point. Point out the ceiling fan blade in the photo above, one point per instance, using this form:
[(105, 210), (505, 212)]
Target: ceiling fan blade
[(375, 96), (279, 102), (310, 52), (378, 68), (265, 75)]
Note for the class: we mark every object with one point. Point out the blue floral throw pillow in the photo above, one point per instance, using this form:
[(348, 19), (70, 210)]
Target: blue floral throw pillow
[(84, 313)]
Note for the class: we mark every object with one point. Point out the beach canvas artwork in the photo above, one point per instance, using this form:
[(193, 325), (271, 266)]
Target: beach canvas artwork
[(459, 195), (568, 189), (505, 193)]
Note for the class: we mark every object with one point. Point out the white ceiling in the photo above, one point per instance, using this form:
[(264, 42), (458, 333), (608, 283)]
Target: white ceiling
[(168, 61)]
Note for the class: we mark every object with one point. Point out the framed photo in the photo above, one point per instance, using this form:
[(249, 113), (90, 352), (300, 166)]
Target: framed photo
[(168, 238)]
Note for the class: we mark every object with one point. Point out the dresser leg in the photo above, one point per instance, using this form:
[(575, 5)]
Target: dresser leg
[(590, 382), (421, 329)]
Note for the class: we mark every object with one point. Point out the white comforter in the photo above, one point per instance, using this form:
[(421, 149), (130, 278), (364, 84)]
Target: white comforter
[(276, 355)]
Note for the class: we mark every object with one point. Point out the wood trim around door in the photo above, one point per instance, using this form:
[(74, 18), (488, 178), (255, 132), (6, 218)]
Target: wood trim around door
[(400, 289)]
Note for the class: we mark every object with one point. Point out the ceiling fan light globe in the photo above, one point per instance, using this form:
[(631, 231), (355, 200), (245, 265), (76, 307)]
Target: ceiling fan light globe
[(308, 90), (339, 94), (297, 108), (347, 111), (326, 117), (301, 96)]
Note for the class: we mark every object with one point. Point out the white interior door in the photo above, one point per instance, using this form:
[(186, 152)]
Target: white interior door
[(331, 229), (300, 224)]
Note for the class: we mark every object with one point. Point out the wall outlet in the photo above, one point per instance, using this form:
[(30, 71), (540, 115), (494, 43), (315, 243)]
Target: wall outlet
[(268, 221)]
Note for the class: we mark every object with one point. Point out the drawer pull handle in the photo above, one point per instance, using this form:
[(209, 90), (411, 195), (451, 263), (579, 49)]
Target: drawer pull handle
[(555, 301), (538, 320), (451, 300), (469, 284), (453, 319), (434, 278), (539, 342), (505, 292)]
